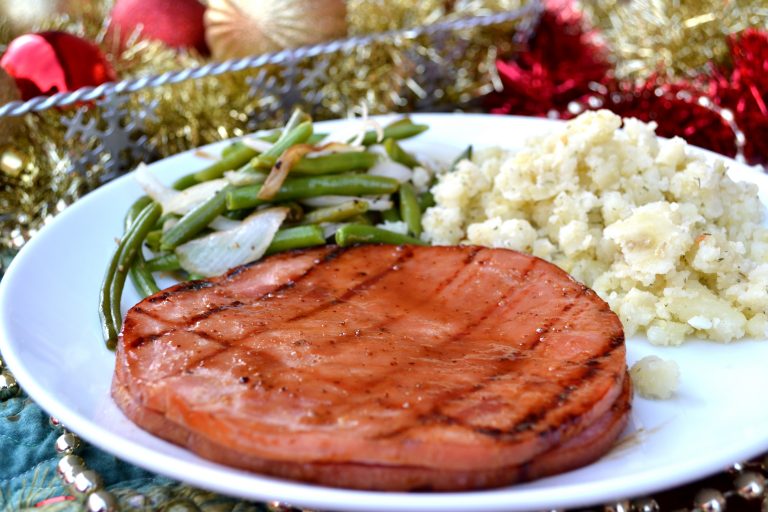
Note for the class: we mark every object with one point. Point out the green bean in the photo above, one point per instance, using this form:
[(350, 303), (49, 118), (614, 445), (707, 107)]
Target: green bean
[(426, 200), (234, 146), (336, 213), (400, 155), (238, 154), (235, 158), (296, 238), (114, 281), (237, 214), (105, 300), (141, 277), (153, 238), (313, 186), (135, 210), (390, 215), (326, 164), (194, 221), (313, 140), (363, 218), (272, 136), (297, 135), (185, 182), (400, 129), (409, 209), (164, 263), (350, 234)]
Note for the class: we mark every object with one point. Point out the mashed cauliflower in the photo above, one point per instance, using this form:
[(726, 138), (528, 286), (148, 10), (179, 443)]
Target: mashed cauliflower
[(674, 245)]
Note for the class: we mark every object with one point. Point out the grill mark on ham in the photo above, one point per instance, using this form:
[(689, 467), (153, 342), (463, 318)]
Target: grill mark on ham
[(403, 257), (500, 320)]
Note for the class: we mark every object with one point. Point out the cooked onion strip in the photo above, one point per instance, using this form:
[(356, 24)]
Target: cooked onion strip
[(280, 170)]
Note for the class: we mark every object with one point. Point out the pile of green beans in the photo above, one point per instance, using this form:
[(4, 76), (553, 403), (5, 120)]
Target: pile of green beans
[(334, 174)]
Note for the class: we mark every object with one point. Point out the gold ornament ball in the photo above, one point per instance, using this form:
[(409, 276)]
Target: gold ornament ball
[(240, 28), (9, 91)]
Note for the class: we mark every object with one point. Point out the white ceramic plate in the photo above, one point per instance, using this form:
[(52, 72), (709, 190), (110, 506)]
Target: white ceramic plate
[(51, 339)]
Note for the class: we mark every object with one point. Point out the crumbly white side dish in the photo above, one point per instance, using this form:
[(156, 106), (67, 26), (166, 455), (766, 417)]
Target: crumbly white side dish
[(663, 235), (654, 377)]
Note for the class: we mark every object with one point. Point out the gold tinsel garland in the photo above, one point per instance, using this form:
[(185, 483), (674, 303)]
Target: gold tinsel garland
[(675, 38), (196, 112)]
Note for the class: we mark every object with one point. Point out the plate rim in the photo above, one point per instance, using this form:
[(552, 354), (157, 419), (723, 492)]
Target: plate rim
[(581, 494)]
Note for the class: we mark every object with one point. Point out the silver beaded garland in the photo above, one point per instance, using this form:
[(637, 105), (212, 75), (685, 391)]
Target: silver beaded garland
[(67, 444), (69, 466), (619, 506), (276, 506), (749, 485), (645, 505), (101, 501), (709, 500), (87, 481), (9, 388)]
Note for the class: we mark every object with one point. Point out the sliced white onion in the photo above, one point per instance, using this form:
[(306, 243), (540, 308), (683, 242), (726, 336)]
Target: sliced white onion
[(213, 254), (374, 203), (244, 177), (184, 201), (391, 169), (153, 187), (222, 223), (257, 144), (379, 204)]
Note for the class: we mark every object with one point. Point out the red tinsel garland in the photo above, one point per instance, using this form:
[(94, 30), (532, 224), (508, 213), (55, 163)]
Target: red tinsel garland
[(561, 61), (743, 89), (565, 71)]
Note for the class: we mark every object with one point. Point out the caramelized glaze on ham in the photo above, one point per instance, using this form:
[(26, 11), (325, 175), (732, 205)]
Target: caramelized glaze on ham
[(381, 367)]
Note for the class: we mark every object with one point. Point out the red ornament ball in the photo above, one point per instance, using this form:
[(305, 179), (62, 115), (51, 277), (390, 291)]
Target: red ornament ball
[(45, 63), (177, 23)]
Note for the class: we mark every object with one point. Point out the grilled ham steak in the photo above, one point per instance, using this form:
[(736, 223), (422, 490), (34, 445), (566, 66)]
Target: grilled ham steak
[(381, 367)]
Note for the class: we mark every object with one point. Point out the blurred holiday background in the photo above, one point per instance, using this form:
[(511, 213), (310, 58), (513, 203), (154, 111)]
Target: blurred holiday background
[(88, 89)]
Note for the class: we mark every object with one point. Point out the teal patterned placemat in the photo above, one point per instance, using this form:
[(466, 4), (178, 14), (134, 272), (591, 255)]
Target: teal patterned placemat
[(28, 479)]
